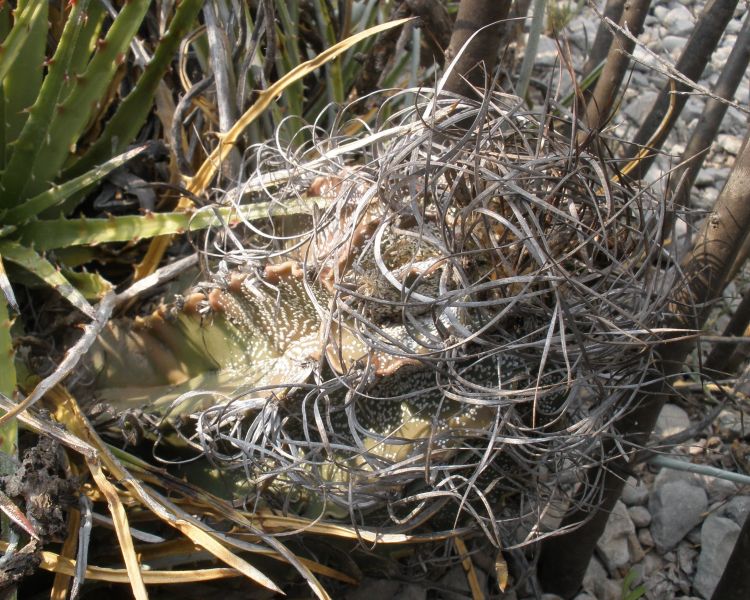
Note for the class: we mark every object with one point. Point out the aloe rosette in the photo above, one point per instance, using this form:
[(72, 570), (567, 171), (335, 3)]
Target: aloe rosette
[(48, 107)]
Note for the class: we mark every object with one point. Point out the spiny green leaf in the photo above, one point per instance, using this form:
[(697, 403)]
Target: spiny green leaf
[(44, 270), (130, 115), (85, 44), (91, 285), (6, 288), (61, 233), (90, 88), (11, 47), (4, 30), (24, 79), (9, 432), (18, 169), (57, 194)]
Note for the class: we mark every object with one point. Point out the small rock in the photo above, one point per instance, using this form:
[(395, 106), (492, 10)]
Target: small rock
[(645, 538), (737, 509), (551, 597), (613, 543), (642, 105), (640, 516), (694, 536), (692, 110), (594, 572), (729, 143), (651, 563), (672, 420), (718, 536), (718, 489), (686, 555), (729, 425), (584, 596), (706, 199), (635, 493), (711, 175), (658, 586), (607, 589), (734, 26), (547, 54), (635, 548), (660, 12), (411, 591), (676, 507), (719, 57), (455, 579), (665, 476), (679, 21), (673, 44), (582, 31)]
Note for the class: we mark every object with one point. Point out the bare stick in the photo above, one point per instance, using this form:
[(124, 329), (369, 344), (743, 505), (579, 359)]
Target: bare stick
[(696, 54), (480, 56), (602, 100)]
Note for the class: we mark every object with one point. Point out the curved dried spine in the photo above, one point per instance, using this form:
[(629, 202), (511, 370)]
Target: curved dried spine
[(461, 321)]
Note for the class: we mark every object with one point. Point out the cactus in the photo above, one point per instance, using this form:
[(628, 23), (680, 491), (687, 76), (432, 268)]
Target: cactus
[(430, 334)]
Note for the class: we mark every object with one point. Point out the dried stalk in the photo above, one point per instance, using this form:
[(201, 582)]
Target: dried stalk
[(696, 54), (478, 58), (602, 101)]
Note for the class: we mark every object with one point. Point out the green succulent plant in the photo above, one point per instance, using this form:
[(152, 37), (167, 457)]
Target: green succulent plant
[(58, 70)]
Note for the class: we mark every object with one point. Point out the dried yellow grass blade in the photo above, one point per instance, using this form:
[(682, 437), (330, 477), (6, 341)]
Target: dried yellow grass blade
[(67, 566), (122, 529), (62, 580), (204, 176), (203, 539), (269, 521), (202, 179), (69, 413), (182, 547), (501, 571), (468, 565)]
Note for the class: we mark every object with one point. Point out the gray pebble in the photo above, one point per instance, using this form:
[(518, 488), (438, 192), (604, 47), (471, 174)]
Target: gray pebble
[(665, 476), (672, 420), (737, 509), (729, 143), (613, 543), (694, 536), (718, 536), (645, 538), (718, 489), (455, 578), (686, 556), (679, 21), (640, 516), (673, 44), (676, 507), (730, 424), (635, 493), (374, 588)]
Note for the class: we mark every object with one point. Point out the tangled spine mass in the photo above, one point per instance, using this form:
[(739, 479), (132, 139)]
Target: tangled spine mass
[(461, 306)]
